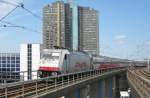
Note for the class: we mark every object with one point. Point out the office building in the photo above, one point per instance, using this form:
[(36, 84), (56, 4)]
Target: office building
[(71, 26), (20, 66), (88, 30), (29, 60), (56, 25), (9, 66)]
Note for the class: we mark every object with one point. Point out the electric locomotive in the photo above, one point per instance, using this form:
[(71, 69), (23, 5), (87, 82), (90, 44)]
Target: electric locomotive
[(63, 61)]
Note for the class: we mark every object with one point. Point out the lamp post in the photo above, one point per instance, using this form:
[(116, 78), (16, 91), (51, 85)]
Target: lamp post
[(148, 65)]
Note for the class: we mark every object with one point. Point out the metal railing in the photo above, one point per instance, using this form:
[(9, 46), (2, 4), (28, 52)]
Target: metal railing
[(6, 77), (140, 83), (40, 86)]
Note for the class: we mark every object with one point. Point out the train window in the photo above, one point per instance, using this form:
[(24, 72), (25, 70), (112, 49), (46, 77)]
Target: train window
[(55, 54), (50, 56), (65, 56)]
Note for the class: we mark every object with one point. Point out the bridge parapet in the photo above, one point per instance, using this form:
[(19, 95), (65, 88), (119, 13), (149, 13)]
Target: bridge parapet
[(140, 81)]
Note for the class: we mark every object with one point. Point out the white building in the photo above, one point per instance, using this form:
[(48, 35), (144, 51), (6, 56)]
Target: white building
[(29, 60)]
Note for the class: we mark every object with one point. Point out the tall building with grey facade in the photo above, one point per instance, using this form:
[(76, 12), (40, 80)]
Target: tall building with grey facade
[(71, 26), (88, 30)]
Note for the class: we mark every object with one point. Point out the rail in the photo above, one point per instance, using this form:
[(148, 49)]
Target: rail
[(140, 81), (37, 87)]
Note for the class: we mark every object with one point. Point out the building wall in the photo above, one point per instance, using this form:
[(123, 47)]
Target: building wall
[(23, 60), (9, 65), (88, 30), (75, 32), (54, 25), (68, 27), (71, 26), (35, 59), (29, 60), (9, 62)]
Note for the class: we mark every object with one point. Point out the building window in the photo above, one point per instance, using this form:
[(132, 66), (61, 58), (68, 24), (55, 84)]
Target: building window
[(17, 65), (29, 61), (8, 65), (3, 58)]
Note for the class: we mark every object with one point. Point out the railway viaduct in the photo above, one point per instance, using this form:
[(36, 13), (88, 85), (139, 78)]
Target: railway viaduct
[(103, 85), (92, 84)]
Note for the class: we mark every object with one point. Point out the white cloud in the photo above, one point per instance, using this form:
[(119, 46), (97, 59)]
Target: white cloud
[(5, 8), (120, 39)]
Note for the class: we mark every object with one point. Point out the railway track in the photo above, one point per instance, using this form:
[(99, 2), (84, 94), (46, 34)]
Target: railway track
[(140, 80), (143, 73)]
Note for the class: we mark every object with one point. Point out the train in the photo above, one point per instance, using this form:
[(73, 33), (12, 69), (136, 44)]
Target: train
[(109, 65), (62, 61)]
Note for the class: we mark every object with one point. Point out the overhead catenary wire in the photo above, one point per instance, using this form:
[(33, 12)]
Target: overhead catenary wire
[(18, 26), (21, 27), (8, 26), (21, 5), (33, 14), (10, 3), (8, 13), (6, 2)]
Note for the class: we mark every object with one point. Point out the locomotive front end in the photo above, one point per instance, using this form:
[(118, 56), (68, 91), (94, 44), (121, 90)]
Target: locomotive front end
[(49, 64)]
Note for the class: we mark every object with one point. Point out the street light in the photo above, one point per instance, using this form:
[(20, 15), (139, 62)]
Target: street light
[(148, 66)]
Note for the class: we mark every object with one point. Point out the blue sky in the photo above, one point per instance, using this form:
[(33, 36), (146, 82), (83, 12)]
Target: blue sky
[(124, 26)]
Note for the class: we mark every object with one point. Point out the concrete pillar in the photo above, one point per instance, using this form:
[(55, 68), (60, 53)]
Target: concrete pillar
[(84, 92), (110, 91), (79, 93), (100, 86), (114, 86), (72, 94), (119, 83), (106, 88), (103, 90), (94, 89), (117, 90), (123, 83)]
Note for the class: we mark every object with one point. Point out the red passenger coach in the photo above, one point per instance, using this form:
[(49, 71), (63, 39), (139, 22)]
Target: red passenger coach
[(106, 66), (52, 69)]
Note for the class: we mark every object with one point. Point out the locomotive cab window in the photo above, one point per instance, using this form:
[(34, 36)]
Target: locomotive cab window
[(52, 56)]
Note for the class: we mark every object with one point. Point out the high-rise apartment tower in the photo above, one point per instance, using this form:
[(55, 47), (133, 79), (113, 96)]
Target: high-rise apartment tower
[(88, 30), (57, 25)]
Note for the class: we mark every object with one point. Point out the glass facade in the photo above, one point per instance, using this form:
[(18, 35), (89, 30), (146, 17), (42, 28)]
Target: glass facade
[(9, 65), (74, 26)]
